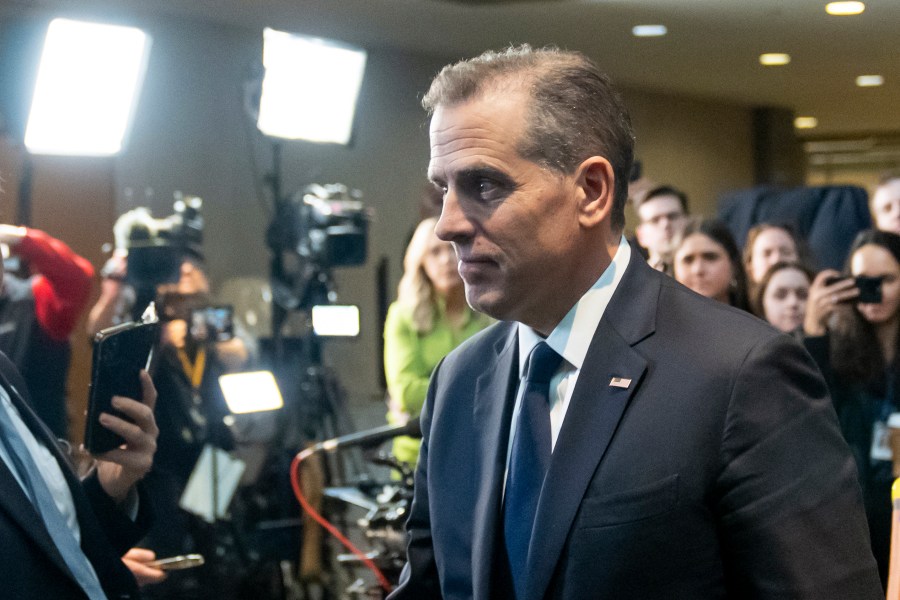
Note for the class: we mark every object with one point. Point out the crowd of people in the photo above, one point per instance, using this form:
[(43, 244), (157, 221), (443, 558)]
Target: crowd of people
[(108, 516), (853, 341), (591, 427)]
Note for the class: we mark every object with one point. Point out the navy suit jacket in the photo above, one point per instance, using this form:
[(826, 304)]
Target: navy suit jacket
[(719, 472), (31, 567)]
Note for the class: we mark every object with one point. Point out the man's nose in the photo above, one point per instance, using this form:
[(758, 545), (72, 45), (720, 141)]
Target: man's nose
[(453, 224)]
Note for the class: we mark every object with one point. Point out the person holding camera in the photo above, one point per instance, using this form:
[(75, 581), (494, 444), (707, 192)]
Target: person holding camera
[(854, 336), (190, 360), (39, 312)]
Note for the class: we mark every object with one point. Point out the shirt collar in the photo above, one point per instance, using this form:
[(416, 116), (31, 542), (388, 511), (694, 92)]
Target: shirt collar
[(572, 336)]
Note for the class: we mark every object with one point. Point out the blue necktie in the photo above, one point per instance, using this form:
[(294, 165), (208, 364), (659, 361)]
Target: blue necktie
[(528, 461), (37, 491)]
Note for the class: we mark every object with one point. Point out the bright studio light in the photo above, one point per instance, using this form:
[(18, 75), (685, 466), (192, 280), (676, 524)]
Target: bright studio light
[(87, 85), (335, 320), (806, 122), (255, 391), (310, 88)]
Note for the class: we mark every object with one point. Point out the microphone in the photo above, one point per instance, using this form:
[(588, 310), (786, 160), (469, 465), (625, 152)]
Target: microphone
[(368, 437)]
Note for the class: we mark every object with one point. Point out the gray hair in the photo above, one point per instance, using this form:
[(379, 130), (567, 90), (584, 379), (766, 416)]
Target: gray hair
[(575, 111)]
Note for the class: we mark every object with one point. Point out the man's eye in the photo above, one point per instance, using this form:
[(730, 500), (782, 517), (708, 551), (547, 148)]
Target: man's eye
[(488, 189)]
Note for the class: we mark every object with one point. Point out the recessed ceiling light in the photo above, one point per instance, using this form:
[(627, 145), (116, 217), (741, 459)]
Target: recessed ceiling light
[(843, 9), (774, 59), (805, 122), (649, 30), (869, 80)]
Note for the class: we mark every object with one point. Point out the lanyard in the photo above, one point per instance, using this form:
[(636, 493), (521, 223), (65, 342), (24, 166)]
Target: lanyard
[(193, 371)]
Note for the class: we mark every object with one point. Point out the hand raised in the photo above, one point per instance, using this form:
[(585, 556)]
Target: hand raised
[(120, 469)]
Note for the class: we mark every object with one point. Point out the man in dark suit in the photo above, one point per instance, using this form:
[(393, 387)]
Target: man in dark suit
[(62, 538), (690, 451)]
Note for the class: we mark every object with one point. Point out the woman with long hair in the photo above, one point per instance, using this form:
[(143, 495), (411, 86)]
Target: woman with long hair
[(856, 345), (780, 296), (429, 319), (708, 261)]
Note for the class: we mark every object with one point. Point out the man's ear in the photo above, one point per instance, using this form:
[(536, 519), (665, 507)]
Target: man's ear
[(597, 182)]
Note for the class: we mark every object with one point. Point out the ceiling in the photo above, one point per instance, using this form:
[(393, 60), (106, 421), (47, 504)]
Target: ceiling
[(711, 49)]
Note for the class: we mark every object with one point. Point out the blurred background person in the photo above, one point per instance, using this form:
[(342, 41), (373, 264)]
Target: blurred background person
[(191, 406), (707, 260), (780, 296), (662, 212), (429, 319), (768, 244), (39, 308), (855, 345), (885, 203)]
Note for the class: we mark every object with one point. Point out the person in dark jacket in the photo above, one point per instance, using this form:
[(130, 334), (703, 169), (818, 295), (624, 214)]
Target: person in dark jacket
[(856, 345)]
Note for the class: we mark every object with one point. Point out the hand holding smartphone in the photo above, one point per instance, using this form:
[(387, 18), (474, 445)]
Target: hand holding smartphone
[(869, 288), (120, 353)]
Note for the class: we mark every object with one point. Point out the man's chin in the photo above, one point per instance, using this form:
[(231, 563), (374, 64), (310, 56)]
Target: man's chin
[(486, 302)]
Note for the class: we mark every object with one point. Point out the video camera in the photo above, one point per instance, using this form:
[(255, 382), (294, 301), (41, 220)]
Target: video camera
[(157, 247), (326, 225)]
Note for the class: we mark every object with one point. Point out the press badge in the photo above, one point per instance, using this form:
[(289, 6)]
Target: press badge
[(881, 442)]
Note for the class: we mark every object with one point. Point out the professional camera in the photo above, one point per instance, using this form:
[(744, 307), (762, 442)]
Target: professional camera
[(324, 224), (157, 247)]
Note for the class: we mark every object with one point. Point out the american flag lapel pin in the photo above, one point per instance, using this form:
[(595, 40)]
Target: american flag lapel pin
[(620, 382)]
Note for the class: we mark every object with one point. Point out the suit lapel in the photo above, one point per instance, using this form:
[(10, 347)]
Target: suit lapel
[(594, 412), (494, 399), (13, 498)]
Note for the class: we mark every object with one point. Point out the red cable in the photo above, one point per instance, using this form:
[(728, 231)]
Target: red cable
[(298, 492)]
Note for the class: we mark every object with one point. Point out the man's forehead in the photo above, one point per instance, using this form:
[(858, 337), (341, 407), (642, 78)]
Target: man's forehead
[(661, 203), (888, 191), (474, 134)]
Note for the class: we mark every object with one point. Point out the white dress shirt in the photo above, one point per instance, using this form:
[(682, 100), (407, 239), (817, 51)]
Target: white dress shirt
[(570, 339)]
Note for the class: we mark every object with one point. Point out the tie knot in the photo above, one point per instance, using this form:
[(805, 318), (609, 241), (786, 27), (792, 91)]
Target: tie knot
[(542, 364)]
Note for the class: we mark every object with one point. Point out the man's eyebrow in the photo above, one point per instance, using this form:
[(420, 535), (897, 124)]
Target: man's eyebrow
[(476, 173)]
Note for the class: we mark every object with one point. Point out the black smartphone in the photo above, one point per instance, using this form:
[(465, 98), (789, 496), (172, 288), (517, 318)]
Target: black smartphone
[(120, 353), (869, 288), (212, 323)]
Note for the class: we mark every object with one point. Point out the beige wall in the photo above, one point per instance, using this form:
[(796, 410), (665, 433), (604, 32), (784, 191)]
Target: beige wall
[(699, 146), (865, 177)]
